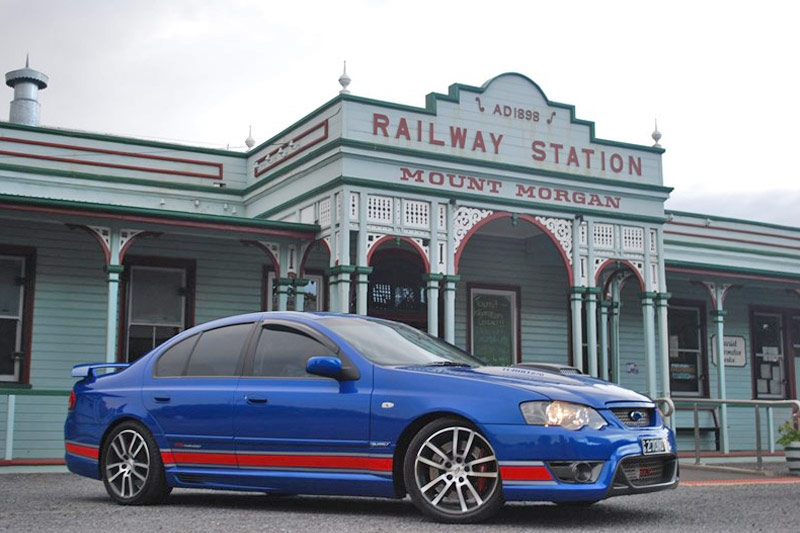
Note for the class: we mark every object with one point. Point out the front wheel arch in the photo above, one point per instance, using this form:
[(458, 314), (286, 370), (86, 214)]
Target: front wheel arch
[(405, 439), (452, 472)]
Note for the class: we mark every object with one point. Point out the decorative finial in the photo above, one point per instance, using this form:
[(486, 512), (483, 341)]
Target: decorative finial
[(656, 136), (250, 142), (344, 80), (27, 61)]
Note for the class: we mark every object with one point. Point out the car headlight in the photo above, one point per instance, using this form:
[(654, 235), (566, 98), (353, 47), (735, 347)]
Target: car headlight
[(562, 414)]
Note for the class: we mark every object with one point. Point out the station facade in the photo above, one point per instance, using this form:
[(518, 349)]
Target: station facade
[(492, 217)]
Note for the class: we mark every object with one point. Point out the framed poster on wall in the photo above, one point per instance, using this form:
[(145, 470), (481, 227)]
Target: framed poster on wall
[(493, 323)]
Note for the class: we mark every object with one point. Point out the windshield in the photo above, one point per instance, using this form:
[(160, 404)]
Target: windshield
[(391, 343)]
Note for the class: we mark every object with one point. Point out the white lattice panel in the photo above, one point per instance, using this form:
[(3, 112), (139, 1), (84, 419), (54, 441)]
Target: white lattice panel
[(603, 236), (416, 214), (379, 209), (632, 239), (325, 212), (354, 205), (126, 235), (584, 238), (372, 240), (442, 217), (465, 220), (104, 234), (561, 230), (653, 241)]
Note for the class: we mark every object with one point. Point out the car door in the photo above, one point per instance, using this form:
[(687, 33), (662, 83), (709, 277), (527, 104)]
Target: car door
[(292, 421), (190, 394)]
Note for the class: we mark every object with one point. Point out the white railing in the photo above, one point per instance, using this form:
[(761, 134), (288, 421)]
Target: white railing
[(770, 405)]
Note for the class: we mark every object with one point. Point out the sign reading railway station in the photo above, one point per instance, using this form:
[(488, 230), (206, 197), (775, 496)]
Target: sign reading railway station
[(508, 121)]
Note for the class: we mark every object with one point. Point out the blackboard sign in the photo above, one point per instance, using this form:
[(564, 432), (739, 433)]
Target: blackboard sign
[(494, 325)]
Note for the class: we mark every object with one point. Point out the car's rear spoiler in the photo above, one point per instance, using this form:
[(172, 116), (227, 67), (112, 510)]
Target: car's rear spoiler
[(88, 369)]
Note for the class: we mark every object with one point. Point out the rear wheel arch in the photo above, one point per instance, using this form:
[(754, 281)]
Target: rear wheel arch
[(110, 428), (406, 436), (134, 453)]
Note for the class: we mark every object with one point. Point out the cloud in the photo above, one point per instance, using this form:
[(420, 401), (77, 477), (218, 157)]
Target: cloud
[(777, 206)]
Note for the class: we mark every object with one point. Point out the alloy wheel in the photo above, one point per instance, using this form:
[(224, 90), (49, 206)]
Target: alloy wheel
[(127, 465), (456, 470)]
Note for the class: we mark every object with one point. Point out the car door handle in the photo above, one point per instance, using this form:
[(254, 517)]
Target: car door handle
[(161, 399), (255, 399)]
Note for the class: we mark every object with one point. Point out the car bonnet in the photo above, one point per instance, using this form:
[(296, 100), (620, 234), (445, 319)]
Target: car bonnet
[(574, 388)]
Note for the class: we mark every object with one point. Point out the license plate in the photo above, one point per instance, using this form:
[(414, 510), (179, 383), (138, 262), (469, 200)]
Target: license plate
[(654, 446)]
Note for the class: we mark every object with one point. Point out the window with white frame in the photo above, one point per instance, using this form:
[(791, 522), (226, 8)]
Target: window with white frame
[(12, 306), (156, 307)]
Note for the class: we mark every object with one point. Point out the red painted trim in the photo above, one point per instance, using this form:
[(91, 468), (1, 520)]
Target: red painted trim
[(722, 273), (309, 248), (103, 246), (413, 243), (625, 262), (217, 166), (349, 462), (323, 125), (525, 473), (167, 457), (731, 239), (527, 218), (275, 264), (132, 240), (216, 459), (32, 462), (83, 451), (345, 462), (732, 230), (162, 221)]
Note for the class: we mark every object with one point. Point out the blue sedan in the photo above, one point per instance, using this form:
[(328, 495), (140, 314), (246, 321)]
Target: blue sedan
[(299, 403)]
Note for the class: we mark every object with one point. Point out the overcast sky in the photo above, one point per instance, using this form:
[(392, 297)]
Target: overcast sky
[(721, 77)]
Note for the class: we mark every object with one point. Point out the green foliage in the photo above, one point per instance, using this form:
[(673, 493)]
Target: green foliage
[(788, 434)]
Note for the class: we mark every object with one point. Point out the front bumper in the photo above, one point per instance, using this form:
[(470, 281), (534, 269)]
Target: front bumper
[(625, 468)]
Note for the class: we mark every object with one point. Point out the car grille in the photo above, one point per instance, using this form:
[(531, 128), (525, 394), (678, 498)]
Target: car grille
[(645, 471), (626, 416)]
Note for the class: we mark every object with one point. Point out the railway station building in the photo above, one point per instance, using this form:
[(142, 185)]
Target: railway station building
[(491, 217)]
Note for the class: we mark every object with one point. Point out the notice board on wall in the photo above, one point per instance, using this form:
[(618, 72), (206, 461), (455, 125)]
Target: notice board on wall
[(493, 325)]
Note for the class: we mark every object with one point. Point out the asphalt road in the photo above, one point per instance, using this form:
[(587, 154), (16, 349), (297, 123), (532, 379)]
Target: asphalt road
[(66, 503)]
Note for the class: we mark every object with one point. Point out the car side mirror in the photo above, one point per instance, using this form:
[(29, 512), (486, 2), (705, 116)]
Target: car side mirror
[(331, 367)]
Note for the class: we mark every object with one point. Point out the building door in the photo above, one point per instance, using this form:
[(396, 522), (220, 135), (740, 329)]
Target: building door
[(396, 288), (687, 375), (12, 295), (769, 356)]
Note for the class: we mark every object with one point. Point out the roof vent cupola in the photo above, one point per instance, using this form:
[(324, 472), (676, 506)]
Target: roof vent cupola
[(26, 83)]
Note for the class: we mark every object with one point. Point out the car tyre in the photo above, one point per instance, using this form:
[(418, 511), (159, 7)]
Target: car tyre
[(131, 466), (451, 472)]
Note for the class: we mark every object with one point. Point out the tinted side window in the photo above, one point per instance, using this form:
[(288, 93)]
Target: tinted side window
[(173, 361), (218, 350), (283, 352)]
